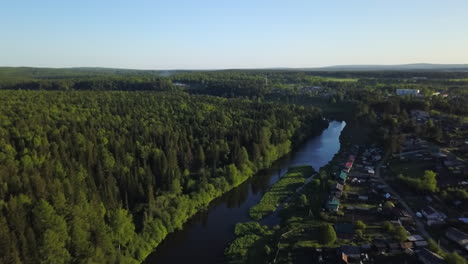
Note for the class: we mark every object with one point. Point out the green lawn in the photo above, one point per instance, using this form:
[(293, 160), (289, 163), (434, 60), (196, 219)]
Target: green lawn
[(362, 205), (411, 168), (333, 79), (354, 189), (280, 191)]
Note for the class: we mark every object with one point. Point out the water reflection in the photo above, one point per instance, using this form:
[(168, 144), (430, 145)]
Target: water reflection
[(205, 236)]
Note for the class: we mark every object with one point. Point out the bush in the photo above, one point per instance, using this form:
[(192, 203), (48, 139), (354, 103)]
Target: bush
[(250, 228), (434, 247), (238, 249), (388, 226), (400, 234), (426, 183), (360, 225), (327, 234), (454, 258), (388, 205)]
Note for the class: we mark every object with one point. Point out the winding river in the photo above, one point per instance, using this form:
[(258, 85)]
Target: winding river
[(205, 236)]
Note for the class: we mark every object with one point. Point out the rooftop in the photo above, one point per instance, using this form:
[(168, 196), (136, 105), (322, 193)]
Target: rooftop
[(343, 175), (456, 234), (429, 257)]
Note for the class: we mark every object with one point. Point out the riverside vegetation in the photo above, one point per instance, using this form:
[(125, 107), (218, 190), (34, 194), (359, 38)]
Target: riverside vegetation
[(280, 191)]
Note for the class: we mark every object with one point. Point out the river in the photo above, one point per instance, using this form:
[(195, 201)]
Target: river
[(205, 236)]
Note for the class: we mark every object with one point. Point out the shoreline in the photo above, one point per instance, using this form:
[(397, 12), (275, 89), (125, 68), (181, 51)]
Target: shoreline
[(246, 177)]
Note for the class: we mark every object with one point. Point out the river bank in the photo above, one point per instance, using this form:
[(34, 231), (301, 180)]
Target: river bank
[(204, 236)]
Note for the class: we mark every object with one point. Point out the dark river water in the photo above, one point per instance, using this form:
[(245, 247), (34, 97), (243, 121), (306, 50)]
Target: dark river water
[(205, 236)]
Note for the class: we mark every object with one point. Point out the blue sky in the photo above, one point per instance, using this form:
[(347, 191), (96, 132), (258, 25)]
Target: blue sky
[(212, 34)]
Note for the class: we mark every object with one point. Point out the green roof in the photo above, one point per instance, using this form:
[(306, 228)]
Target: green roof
[(334, 202), (343, 176)]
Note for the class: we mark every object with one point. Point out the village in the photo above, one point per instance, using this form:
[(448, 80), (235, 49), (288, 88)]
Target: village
[(386, 220)]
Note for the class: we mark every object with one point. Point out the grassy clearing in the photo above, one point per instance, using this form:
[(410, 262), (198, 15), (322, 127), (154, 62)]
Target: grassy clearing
[(376, 231), (280, 191), (354, 189), (332, 79), (411, 169), (361, 205)]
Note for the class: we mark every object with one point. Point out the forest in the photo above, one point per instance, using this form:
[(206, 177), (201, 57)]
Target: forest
[(99, 165), (104, 176)]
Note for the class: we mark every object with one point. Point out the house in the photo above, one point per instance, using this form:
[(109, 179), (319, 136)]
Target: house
[(435, 222), (457, 236), (350, 251), (333, 204), (348, 166), (407, 92), (363, 197), (464, 147), (393, 246), (380, 246), (419, 114), (407, 221), (343, 176), (344, 258), (421, 243), (405, 213), (336, 190), (415, 238), (429, 257), (432, 215), (366, 247), (406, 245), (455, 142)]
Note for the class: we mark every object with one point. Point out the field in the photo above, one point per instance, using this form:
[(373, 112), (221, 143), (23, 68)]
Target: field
[(331, 79), (411, 169), (280, 191)]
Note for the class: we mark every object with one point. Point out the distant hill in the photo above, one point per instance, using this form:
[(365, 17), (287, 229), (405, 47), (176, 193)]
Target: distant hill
[(58, 73), (401, 67)]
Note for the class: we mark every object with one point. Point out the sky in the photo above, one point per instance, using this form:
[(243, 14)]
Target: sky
[(219, 34)]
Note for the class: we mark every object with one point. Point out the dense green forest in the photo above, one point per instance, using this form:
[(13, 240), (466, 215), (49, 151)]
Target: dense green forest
[(229, 83), (103, 176), (99, 165)]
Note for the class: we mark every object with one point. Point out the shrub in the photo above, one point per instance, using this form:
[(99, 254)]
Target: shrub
[(327, 234), (360, 225)]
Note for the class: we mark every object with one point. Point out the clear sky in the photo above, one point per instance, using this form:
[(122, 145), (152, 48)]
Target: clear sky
[(209, 34)]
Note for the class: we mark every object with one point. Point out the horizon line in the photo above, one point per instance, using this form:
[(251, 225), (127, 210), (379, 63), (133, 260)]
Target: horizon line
[(245, 68)]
